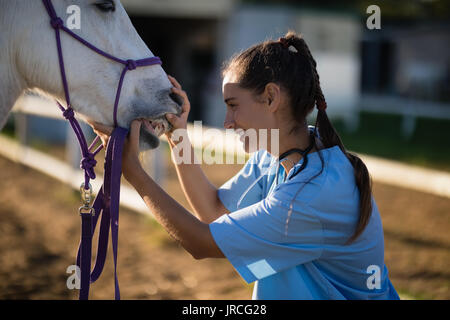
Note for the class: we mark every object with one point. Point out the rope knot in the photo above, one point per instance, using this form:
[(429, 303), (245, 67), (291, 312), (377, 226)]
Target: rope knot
[(56, 23), (131, 64), (87, 164), (68, 113)]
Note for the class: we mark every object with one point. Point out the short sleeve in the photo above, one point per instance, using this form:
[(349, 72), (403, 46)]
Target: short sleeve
[(232, 190), (260, 240)]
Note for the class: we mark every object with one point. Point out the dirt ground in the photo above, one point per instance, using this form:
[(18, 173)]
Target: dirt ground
[(39, 234)]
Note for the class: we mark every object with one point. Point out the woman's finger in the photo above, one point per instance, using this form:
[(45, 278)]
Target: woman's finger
[(174, 120), (98, 127), (134, 134), (185, 107), (179, 92), (104, 129), (103, 138), (174, 82)]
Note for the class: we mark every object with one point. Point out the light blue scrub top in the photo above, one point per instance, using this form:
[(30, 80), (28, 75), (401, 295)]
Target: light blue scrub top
[(302, 254)]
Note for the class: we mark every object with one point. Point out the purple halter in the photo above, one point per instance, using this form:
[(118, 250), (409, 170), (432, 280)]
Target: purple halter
[(107, 200)]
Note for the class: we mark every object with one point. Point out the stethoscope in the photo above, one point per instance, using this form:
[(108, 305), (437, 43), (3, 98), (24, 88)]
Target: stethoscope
[(279, 160)]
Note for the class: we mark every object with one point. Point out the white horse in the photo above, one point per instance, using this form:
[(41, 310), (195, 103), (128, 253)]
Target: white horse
[(29, 61)]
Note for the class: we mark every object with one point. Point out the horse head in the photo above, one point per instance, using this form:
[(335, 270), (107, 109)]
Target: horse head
[(93, 79)]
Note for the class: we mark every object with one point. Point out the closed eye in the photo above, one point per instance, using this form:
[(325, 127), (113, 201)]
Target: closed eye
[(106, 5)]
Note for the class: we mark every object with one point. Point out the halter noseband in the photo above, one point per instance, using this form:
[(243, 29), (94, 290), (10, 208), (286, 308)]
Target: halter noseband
[(107, 200)]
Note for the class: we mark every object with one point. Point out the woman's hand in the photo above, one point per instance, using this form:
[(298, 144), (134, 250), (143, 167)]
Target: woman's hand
[(178, 122), (130, 154)]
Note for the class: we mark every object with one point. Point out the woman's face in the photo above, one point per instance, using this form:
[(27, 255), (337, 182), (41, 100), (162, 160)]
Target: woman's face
[(247, 114)]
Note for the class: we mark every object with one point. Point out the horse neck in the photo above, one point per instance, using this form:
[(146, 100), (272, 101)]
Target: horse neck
[(12, 85), (11, 88)]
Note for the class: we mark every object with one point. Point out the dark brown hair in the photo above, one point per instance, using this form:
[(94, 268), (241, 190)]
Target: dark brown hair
[(289, 63)]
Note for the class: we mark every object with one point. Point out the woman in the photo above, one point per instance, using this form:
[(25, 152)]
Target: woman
[(300, 222)]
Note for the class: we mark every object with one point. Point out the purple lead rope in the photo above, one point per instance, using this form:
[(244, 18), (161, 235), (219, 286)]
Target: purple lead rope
[(107, 204), (107, 201)]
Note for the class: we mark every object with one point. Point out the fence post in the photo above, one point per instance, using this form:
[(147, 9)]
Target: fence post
[(73, 153), (21, 123), (408, 125), (21, 127)]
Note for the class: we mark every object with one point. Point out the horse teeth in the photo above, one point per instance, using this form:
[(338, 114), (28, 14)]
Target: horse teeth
[(159, 126)]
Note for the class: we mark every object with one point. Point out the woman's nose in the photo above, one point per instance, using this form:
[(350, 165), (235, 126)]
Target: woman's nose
[(229, 122)]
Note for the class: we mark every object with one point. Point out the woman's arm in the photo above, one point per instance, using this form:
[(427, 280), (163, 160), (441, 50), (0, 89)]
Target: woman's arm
[(193, 234), (199, 191)]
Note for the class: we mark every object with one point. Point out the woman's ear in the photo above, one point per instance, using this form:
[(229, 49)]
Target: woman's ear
[(272, 93)]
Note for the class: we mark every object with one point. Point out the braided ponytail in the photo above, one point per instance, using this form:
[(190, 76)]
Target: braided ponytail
[(330, 138)]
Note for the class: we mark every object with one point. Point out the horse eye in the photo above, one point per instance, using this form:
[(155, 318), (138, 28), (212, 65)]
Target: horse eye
[(106, 5)]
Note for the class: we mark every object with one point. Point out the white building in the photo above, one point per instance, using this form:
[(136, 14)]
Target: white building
[(332, 37), (199, 35)]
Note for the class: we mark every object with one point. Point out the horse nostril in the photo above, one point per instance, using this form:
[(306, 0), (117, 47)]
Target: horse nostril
[(176, 98)]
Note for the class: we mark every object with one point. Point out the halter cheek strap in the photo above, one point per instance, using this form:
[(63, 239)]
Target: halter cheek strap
[(107, 201)]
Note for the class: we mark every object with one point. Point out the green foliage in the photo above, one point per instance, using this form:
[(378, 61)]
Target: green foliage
[(380, 135)]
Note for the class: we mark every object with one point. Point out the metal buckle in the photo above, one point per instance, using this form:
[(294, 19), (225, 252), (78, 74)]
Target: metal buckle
[(86, 198), (86, 195), (83, 210)]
